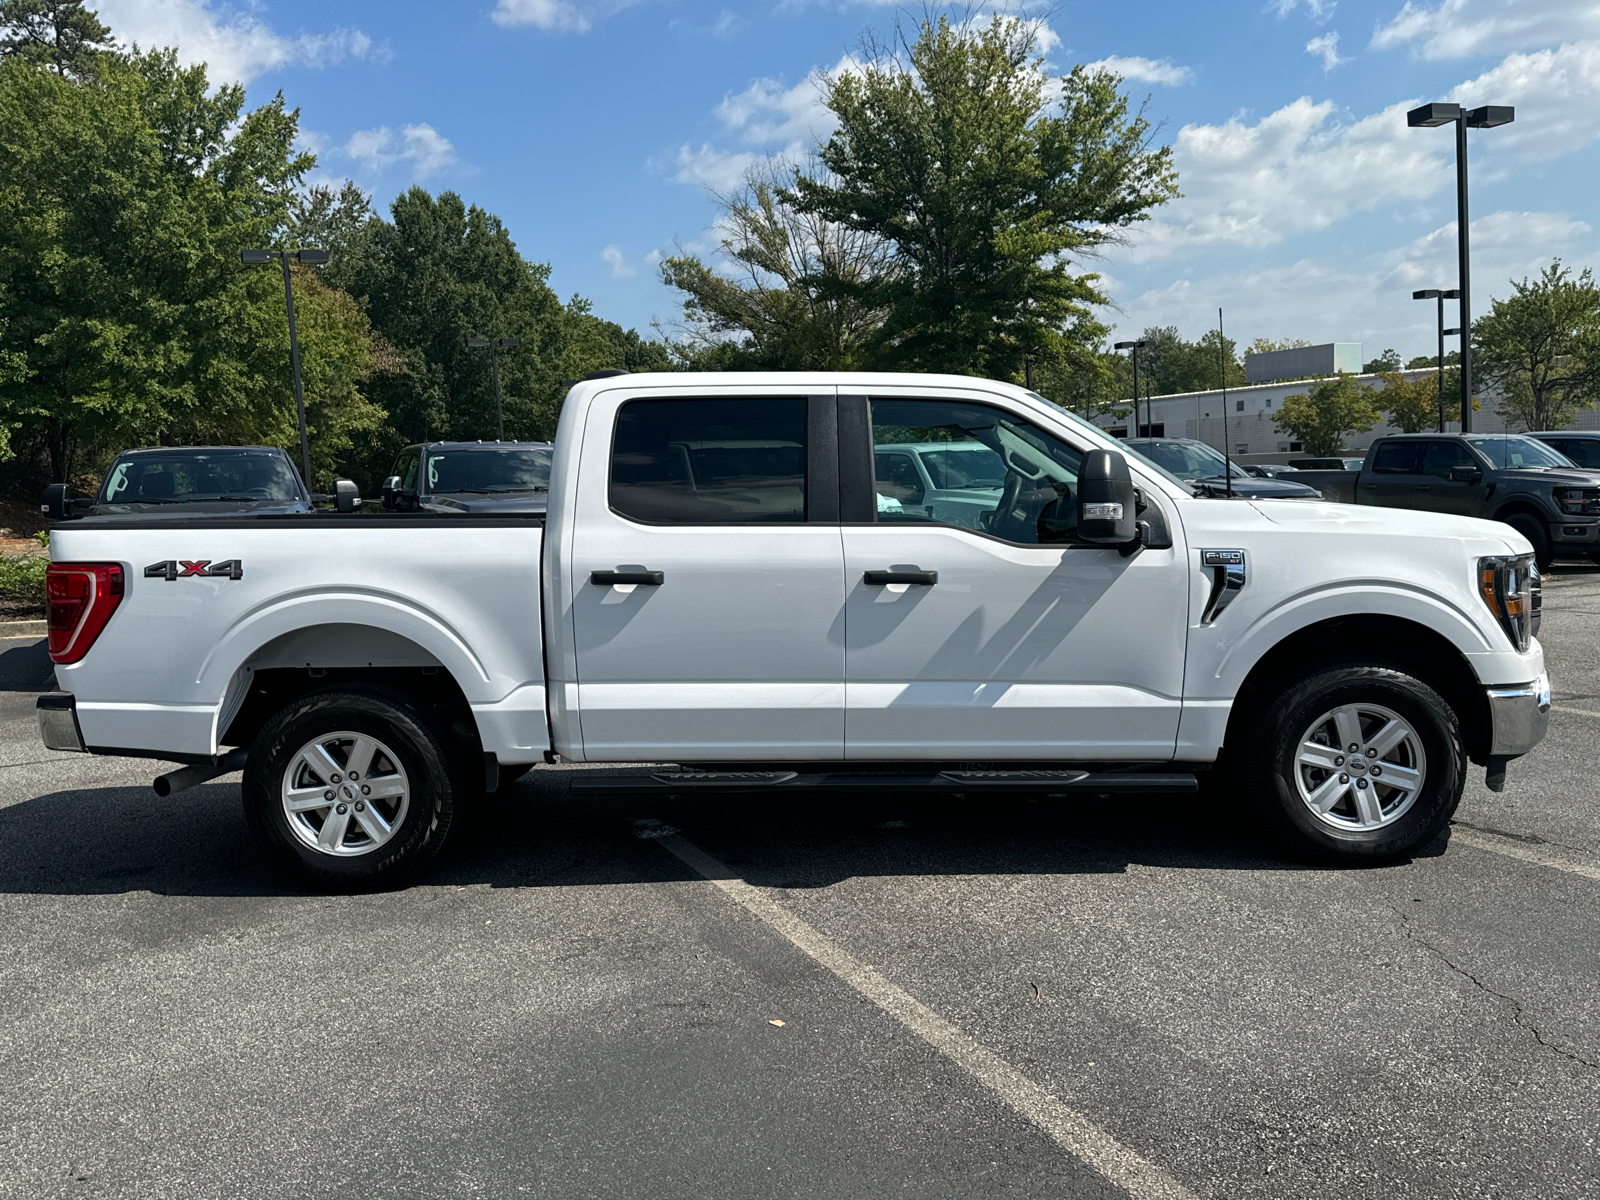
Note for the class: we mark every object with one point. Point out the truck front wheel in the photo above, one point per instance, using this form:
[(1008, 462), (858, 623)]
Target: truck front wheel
[(350, 789), (1532, 528), (1355, 761)]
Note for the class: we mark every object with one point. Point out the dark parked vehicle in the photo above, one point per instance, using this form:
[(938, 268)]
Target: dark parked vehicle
[(470, 477), (1269, 470), (1582, 447), (1514, 478), (1203, 468), (190, 480)]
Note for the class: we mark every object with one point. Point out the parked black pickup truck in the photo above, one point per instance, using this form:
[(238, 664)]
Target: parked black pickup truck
[(1505, 477)]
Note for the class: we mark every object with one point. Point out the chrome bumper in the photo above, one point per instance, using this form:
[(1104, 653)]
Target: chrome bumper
[(1519, 716), (58, 722)]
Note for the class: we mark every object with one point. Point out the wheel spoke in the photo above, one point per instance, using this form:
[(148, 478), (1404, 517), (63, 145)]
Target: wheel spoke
[(1404, 778), (1315, 754), (1327, 794), (1387, 738), (321, 762), (377, 828), (384, 788), (360, 757), (306, 799), (1369, 806), (333, 829), (1348, 723)]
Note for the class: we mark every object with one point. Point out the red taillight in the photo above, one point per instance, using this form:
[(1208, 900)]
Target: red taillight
[(79, 598)]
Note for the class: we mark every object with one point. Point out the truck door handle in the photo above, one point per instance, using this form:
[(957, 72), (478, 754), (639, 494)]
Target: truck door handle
[(609, 578), (879, 578)]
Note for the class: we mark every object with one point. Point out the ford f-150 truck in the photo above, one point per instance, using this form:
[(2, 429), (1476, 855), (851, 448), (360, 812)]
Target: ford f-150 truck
[(768, 622), (1520, 480)]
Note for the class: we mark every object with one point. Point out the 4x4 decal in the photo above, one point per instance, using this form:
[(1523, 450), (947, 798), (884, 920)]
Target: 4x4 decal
[(176, 568)]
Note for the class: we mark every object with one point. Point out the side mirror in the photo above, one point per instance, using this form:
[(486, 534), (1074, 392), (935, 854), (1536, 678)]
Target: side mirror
[(391, 487), (346, 496), (1465, 474), (55, 503), (1107, 507)]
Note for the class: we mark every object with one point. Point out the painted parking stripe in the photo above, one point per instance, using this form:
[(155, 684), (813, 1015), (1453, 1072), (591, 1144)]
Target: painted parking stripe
[(1068, 1128), (1527, 853), (1577, 712)]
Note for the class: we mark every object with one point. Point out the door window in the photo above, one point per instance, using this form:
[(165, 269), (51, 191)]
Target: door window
[(1585, 452), (1439, 457), (993, 472), (897, 479), (406, 468), (1396, 458), (710, 462)]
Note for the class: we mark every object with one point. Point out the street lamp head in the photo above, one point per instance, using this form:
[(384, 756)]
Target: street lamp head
[(1490, 116), (1139, 345), (312, 256), (1452, 294), (511, 341), (1450, 332), (1431, 116), (477, 343), (1427, 294), (255, 256)]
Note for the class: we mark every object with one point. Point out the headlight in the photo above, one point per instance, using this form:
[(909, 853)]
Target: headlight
[(1511, 588), (1579, 502)]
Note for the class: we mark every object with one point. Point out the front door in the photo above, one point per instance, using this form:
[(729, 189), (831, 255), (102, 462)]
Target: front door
[(993, 634), (706, 585), (1442, 461)]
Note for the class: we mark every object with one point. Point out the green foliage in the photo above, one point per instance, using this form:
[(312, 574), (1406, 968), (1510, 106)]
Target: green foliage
[(1389, 360), (982, 189), (1263, 345), (43, 538), (1320, 417), (1541, 348), (1170, 365), (1452, 359), (23, 577), (62, 35)]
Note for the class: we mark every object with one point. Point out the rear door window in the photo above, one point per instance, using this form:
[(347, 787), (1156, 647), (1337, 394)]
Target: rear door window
[(1396, 458), (710, 462)]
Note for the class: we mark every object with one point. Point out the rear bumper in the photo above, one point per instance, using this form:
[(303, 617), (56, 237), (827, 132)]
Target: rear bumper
[(58, 722), (1519, 716)]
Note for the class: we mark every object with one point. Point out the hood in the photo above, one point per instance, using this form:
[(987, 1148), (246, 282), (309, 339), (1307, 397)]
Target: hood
[(1554, 476), (511, 502), (1258, 489), (1374, 520)]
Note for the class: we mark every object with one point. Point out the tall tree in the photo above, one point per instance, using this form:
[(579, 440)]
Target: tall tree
[(1171, 365), (986, 178), (1321, 416), (1389, 360), (338, 222), (1412, 405), (1541, 348), (60, 34)]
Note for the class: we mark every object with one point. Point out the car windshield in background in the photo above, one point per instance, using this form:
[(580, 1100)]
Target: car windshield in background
[(491, 469), (1512, 452), (970, 465), (181, 478), (1186, 461)]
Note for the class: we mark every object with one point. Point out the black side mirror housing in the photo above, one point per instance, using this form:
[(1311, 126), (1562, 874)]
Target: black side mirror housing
[(346, 496), (56, 503), (1107, 508), (1465, 474), (391, 486)]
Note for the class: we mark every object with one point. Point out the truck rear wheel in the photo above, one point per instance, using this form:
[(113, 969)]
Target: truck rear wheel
[(350, 789), (1355, 761)]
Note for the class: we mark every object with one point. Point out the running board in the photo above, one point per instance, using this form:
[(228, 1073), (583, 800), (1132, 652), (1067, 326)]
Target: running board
[(668, 782)]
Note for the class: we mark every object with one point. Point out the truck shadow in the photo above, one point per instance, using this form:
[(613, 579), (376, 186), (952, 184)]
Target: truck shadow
[(106, 841)]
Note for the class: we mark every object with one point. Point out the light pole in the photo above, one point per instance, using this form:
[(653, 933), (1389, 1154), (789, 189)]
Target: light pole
[(1441, 297), (1135, 347), (1431, 116), (284, 256), (494, 345)]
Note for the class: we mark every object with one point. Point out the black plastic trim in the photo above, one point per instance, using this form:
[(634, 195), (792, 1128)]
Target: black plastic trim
[(822, 461), (857, 499)]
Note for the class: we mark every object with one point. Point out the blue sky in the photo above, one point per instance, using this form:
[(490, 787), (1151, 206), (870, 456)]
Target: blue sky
[(1310, 210)]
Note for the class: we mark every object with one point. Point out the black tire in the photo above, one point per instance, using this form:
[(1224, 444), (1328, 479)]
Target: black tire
[(407, 733), (1533, 528), (1268, 760)]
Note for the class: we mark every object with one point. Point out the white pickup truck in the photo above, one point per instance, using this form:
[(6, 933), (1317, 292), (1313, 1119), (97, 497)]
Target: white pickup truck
[(766, 619)]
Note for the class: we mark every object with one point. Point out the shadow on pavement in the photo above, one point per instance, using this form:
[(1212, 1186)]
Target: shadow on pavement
[(25, 666), (116, 840)]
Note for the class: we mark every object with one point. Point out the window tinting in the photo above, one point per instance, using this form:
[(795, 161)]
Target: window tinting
[(1396, 458), (219, 475), (1583, 451), (990, 471), (710, 462), (467, 469), (1440, 457)]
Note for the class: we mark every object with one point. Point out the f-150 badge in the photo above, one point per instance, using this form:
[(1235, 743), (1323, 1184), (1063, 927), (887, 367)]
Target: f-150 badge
[(177, 568)]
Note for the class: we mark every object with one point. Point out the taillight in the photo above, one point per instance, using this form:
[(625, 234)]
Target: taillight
[(79, 600)]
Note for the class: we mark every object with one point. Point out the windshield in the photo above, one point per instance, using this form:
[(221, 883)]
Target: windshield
[(964, 466), (491, 469), (183, 477), (1187, 460), (1506, 452)]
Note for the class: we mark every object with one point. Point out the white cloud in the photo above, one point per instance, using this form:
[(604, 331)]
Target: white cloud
[(1458, 28), (1320, 11), (422, 146), (654, 257), (1556, 94), (613, 257), (1327, 48), (557, 16), (1145, 70), (236, 46), (715, 169)]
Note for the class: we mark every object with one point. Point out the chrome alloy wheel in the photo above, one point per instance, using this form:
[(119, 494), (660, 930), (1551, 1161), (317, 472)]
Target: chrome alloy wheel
[(1360, 767), (345, 794)]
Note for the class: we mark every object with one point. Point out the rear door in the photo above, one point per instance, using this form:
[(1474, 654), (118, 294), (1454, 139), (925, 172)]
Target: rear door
[(1394, 477), (993, 635), (707, 584)]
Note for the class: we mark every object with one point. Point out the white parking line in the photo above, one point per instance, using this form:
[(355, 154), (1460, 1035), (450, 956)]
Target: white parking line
[(1067, 1127), (1577, 712), (1527, 853)]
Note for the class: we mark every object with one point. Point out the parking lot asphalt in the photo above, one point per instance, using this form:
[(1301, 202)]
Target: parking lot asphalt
[(1004, 998)]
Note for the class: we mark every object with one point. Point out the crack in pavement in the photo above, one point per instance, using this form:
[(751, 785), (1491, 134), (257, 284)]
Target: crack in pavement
[(1517, 1014)]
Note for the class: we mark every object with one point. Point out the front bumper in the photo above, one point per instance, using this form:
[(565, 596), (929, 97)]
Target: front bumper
[(58, 722), (1519, 716), (1570, 531)]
